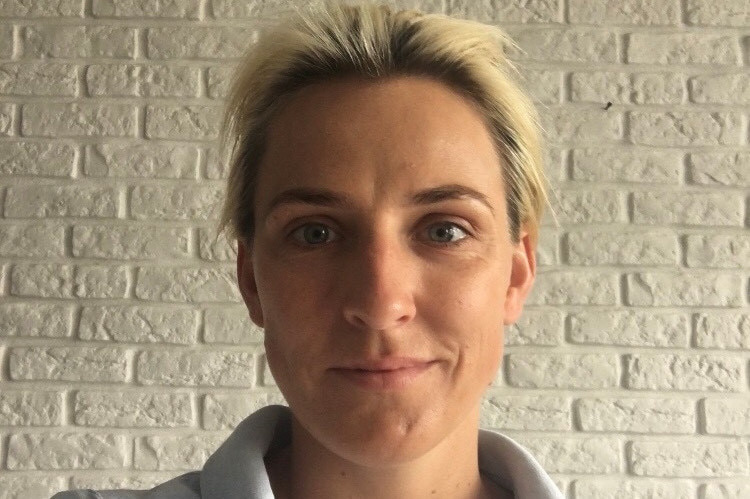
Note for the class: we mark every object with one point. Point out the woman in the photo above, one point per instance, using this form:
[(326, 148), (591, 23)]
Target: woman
[(385, 192)]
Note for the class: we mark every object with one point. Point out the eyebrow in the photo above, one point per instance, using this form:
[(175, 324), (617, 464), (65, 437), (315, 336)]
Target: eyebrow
[(450, 192), (306, 195), (329, 198)]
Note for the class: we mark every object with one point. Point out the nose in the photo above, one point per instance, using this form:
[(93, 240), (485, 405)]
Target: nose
[(382, 283)]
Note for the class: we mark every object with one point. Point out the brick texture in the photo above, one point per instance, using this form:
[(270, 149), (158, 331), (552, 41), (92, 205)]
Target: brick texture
[(126, 354)]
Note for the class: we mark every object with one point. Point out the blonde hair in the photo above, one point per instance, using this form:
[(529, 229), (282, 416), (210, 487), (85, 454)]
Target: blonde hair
[(373, 41)]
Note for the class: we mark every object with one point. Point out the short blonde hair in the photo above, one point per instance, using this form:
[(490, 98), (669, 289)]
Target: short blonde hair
[(374, 41)]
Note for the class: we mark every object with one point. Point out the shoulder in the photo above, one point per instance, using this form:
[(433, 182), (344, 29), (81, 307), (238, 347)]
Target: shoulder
[(512, 467), (186, 486)]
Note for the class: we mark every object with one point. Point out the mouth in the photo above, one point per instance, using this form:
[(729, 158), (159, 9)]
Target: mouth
[(390, 373)]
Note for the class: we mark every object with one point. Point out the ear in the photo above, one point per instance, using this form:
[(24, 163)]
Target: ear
[(523, 271), (246, 281)]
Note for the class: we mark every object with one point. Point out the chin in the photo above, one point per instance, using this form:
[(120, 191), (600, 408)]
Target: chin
[(379, 437)]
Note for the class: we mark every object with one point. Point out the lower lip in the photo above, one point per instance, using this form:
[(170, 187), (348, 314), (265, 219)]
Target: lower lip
[(392, 379)]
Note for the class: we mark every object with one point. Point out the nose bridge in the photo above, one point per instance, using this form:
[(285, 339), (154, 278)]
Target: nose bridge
[(382, 289)]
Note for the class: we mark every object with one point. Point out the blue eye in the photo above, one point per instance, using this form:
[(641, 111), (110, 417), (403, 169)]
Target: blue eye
[(446, 232), (314, 234)]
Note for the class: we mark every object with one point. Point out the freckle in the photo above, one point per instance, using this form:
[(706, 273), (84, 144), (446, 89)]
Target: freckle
[(343, 473), (433, 492)]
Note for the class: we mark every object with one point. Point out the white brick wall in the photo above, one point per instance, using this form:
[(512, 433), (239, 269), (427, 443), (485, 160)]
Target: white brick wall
[(125, 356)]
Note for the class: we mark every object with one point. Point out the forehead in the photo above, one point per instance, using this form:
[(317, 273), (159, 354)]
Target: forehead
[(401, 132)]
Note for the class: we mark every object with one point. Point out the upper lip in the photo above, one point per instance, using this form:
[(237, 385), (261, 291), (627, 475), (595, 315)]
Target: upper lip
[(383, 364)]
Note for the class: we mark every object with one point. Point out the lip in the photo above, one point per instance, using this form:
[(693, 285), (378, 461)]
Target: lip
[(390, 373)]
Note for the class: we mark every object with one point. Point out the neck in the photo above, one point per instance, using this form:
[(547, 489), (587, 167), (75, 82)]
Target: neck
[(307, 469)]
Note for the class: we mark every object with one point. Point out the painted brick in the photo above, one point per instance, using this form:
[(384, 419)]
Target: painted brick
[(658, 88), (133, 409), (138, 324), (164, 202), (688, 208), (727, 331), (226, 411), (34, 8), (175, 453), (648, 12), (726, 13), (573, 371), (38, 79), (101, 365), (217, 168), (720, 89), (726, 491), (530, 413), (128, 242), (506, 11), (687, 48), (44, 201), (565, 45), (196, 368), (6, 36), (181, 9), (233, 9), (569, 124), (172, 284), (548, 248), (183, 122), (7, 112), (29, 319), (218, 81), (684, 372), (600, 87), (563, 287), (611, 488), (21, 487), (589, 206), (197, 42), (594, 247), (34, 240), (659, 166), (215, 247), (536, 327), (230, 325), (639, 415), (685, 128), (727, 416), (37, 158), (688, 459), (136, 160), (627, 328), (55, 451), (78, 41), (718, 251), (717, 168), (100, 281), (30, 408), (78, 120), (146, 81), (575, 455), (41, 280), (267, 375), (665, 289)]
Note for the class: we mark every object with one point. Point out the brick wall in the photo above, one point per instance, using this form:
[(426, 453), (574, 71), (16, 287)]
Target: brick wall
[(125, 356)]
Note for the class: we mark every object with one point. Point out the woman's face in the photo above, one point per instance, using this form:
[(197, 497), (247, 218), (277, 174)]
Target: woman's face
[(381, 266)]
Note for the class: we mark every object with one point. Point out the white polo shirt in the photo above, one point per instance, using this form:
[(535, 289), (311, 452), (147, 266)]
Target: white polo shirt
[(237, 470)]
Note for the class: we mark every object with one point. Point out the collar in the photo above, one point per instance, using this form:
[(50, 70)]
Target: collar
[(237, 470)]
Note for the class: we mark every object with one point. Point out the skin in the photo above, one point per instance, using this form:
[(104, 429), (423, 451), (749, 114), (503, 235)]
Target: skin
[(381, 234)]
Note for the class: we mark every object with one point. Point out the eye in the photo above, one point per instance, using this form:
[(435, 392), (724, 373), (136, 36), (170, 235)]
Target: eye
[(446, 232), (314, 234)]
